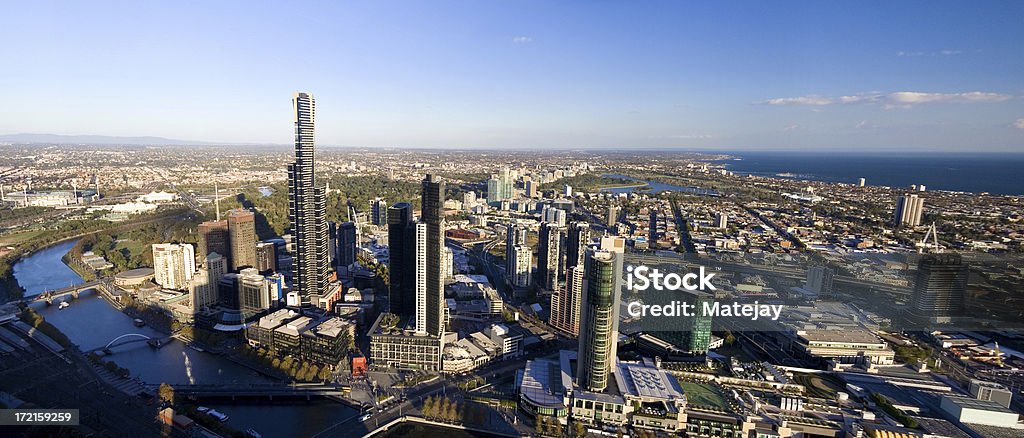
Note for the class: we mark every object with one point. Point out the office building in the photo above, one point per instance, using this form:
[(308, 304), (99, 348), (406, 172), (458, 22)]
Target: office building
[(432, 215), (549, 256), (203, 286), (310, 267), (908, 211), (346, 243), (214, 237), (567, 191), (173, 265), (402, 260), (379, 211), (599, 317), (266, 257), (253, 297), (692, 334), (939, 288), (820, 280), (861, 182), (576, 240), (242, 231), (522, 258)]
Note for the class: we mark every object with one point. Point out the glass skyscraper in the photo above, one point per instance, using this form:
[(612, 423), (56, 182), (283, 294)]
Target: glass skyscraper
[(307, 208)]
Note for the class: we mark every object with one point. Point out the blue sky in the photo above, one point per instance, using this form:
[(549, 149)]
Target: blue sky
[(524, 74)]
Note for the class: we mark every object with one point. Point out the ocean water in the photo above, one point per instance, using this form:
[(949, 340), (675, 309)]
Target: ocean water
[(993, 173)]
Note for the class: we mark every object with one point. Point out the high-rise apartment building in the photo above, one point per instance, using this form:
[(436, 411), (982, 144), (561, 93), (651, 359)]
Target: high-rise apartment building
[(515, 234), (242, 229), (501, 186), (565, 301), (402, 260), (173, 265), (310, 267), (908, 211), (599, 317), (214, 237), (549, 256), (522, 258), (421, 277), (432, 214), (531, 189), (553, 215)]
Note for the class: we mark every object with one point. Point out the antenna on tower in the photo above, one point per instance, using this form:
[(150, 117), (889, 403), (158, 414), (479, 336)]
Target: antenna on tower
[(216, 198)]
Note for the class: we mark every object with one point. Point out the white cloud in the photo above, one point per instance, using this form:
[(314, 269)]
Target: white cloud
[(791, 128), (893, 100), (522, 40), (802, 100), (1019, 124), (913, 54)]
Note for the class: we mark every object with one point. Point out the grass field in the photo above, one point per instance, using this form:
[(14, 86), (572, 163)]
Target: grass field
[(700, 394), (19, 238)]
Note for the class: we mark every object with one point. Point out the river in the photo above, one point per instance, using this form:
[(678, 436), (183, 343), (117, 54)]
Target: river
[(654, 187), (90, 322)]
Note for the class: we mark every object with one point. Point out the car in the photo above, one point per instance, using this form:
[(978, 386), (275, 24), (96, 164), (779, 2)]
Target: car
[(365, 417)]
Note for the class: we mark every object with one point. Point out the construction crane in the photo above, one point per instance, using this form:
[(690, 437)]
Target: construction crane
[(923, 245)]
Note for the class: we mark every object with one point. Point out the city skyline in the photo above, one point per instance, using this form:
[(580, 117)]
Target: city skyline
[(655, 76)]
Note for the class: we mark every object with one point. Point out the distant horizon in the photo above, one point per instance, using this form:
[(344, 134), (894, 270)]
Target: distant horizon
[(155, 141)]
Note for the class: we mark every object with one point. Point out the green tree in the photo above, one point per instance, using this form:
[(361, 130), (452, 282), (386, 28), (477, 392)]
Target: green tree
[(166, 393)]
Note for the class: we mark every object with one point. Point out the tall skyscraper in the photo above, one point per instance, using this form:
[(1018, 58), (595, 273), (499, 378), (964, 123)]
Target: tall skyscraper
[(522, 257), (346, 244), (173, 265), (820, 280), (214, 237), (242, 229), (310, 268), (549, 256), (599, 318), (939, 288), (379, 211), (402, 260), (432, 214), (565, 301), (421, 277), (908, 211)]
